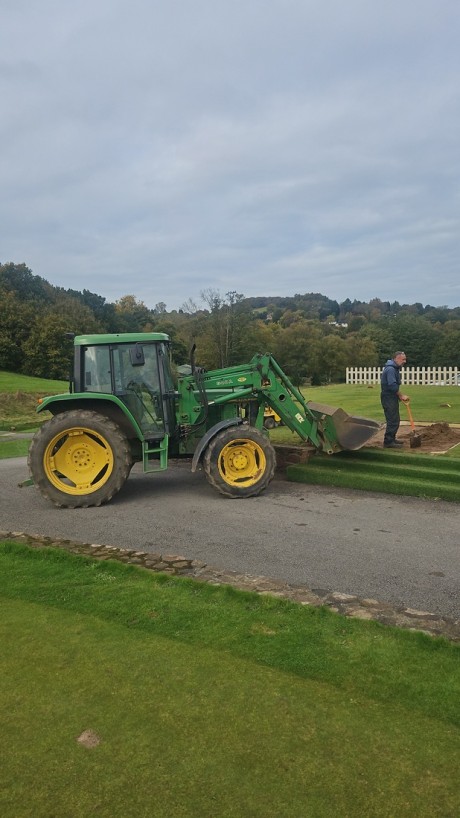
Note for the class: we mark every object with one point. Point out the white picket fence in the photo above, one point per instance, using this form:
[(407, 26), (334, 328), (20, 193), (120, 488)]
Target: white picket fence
[(410, 375)]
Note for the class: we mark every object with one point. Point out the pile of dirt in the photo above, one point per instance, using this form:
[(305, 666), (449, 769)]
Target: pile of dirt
[(439, 437)]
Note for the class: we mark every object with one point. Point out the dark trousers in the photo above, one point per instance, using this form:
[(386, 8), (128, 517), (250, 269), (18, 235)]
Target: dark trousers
[(390, 405)]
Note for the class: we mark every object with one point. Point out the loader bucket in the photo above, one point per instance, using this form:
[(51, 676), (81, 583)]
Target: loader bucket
[(348, 432)]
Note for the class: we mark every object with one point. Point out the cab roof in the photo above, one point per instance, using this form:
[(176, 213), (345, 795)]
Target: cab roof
[(121, 338)]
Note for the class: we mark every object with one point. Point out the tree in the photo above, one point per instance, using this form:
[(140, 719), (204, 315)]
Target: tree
[(179, 350), (333, 358), (103, 312), (16, 319), (316, 305), (261, 337), (446, 352), (227, 323), (49, 353), (19, 280), (133, 315), (356, 323), (298, 350), (290, 317), (416, 336), (381, 336), (360, 352)]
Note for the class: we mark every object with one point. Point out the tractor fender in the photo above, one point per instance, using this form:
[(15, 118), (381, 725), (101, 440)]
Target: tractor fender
[(102, 402), (212, 432)]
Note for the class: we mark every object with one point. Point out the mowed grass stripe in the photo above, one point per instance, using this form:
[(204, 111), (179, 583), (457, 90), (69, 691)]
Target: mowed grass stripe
[(366, 480), (420, 477), (434, 462), (420, 470)]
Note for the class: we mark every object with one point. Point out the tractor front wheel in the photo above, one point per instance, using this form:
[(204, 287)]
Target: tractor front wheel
[(79, 459), (240, 462)]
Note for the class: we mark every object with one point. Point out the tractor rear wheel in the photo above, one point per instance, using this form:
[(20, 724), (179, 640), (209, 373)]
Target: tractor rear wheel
[(79, 459), (240, 462)]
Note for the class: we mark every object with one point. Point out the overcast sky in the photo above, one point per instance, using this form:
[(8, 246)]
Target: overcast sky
[(163, 147)]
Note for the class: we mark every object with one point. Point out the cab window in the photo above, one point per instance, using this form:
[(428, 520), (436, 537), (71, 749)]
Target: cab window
[(96, 368)]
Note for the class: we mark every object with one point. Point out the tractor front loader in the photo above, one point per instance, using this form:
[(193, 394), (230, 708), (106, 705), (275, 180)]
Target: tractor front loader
[(123, 407)]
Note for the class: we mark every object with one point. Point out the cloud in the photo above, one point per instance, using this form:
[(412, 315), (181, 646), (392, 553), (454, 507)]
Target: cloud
[(160, 149)]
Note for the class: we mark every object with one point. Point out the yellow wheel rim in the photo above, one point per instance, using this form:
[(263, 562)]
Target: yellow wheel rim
[(242, 463), (78, 461)]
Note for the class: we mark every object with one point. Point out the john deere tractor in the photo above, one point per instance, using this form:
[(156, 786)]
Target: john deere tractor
[(124, 406)]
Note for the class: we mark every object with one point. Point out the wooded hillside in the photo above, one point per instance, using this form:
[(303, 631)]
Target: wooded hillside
[(311, 335)]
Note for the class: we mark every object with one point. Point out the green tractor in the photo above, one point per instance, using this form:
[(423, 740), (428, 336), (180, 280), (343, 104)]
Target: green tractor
[(124, 406)]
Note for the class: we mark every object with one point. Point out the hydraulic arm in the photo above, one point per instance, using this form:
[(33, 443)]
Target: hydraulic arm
[(262, 383)]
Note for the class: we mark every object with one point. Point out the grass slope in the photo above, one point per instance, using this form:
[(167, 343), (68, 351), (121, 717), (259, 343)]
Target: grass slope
[(10, 382), (212, 702), (18, 399), (388, 472)]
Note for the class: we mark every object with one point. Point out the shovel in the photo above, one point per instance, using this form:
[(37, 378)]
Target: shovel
[(415, 440)]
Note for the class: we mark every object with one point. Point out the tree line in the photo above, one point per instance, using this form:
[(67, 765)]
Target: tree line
[(312, 336)]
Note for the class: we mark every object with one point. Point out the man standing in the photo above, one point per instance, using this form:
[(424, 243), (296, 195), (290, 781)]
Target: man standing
[(390, 397)]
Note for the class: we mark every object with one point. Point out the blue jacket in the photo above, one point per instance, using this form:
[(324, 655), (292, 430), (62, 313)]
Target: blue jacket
[(391, 378)]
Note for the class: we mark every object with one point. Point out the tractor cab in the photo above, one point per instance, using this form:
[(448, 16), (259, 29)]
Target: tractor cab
[(136, 369)]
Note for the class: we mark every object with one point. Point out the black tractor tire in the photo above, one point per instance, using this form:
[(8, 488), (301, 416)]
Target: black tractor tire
[(79, 459), (269, 422), (240, 462)]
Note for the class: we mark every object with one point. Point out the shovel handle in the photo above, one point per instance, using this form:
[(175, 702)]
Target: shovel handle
[(410, 415)]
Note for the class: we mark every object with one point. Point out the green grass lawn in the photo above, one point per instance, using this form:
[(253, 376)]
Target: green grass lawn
[(13, 448), (212, 702), (18, 399), (427, 402), (10, 383), (454, 452)]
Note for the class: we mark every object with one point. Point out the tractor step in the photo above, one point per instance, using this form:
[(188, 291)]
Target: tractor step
[(158, 448)]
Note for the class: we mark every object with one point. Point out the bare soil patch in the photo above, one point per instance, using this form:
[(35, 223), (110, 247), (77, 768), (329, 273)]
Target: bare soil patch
[(439, 437), (89, 739)]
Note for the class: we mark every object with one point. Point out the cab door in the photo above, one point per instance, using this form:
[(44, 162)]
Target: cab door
[(137, 384)]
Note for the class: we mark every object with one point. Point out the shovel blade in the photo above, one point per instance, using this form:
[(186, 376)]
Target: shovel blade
[(415, 441)]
